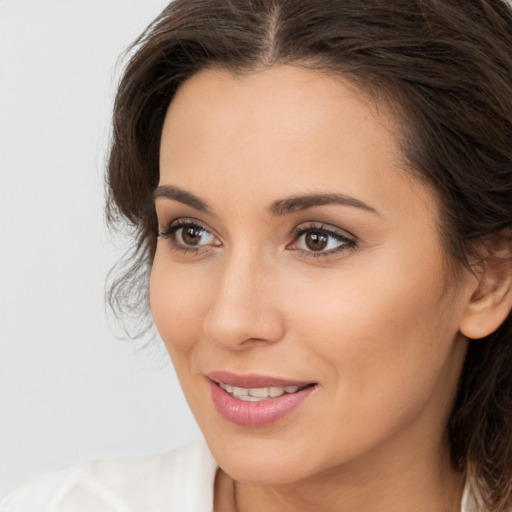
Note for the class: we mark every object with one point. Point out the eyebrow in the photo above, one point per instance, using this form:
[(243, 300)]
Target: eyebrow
[(177, 194), (299, 203), (278, 208)]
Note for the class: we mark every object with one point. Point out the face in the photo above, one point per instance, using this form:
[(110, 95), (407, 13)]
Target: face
[(299, 268)]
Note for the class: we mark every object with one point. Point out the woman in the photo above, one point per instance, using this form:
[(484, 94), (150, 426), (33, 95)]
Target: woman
[(321, 198)]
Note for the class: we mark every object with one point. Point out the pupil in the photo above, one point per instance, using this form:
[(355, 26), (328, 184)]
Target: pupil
[(316, 241), (191, 236)]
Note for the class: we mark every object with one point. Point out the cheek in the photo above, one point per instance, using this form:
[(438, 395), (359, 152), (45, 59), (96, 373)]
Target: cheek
[(383, 351), (178, 303), (379, 326)]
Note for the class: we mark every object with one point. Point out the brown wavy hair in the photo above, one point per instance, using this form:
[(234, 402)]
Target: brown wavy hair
[(444, 66)]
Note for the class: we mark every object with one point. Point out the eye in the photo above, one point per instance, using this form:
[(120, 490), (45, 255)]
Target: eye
[(188, 235), (321, 240)]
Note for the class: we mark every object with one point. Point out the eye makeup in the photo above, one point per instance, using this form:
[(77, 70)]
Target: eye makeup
[(319, 240), (313, 239)]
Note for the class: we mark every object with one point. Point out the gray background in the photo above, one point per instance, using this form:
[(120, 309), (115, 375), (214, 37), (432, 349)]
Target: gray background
[(69, 390)]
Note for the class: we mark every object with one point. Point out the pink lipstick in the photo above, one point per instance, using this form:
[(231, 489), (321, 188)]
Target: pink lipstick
[(256, 400)]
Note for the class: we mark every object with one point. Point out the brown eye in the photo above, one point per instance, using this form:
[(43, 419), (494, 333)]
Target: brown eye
[(321, 240), (316, 241), (189, 235), (192, 235)]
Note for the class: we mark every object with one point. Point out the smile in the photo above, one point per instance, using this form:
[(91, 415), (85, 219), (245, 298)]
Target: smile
[(256, 401), (258, 394)]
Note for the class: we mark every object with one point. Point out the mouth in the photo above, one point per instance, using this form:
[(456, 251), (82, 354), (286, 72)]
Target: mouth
[(253, 400), (259, 394)]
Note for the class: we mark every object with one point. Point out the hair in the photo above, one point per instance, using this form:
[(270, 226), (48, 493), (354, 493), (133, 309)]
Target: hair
[(445, 67)]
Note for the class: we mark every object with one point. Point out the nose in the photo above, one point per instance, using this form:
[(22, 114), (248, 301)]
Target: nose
[(245, 309)]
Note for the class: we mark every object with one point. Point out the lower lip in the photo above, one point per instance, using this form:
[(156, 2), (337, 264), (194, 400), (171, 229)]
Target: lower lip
[(256, 414)]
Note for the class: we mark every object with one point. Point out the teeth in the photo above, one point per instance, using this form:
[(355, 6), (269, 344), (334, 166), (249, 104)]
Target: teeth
[(240, 391), (257, 394), (250, 398), (273, 392)]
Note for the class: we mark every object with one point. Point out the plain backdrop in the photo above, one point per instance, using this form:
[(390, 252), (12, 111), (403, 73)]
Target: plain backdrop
[(69, 390)]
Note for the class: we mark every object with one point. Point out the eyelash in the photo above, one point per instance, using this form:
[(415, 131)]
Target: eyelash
[(170, 231), (347, 242)]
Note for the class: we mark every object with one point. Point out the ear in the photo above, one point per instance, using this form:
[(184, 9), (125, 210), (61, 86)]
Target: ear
[(491, 298)]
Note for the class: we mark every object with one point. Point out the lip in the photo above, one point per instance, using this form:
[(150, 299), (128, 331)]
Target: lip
[(255, 414), (254, 381)]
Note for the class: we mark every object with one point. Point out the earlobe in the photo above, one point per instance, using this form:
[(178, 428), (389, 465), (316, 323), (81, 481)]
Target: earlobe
[(491, 301)]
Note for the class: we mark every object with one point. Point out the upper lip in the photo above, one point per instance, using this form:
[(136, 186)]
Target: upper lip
[(252, 380)]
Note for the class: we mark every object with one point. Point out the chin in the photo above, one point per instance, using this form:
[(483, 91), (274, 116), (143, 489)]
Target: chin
[(262, 460), (263, 472)]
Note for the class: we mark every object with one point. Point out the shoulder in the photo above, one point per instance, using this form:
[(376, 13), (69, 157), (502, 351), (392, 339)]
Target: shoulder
[(180, 480)]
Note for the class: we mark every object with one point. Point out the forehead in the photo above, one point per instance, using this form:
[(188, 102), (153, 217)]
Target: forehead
[(283, 100), (282, 131)]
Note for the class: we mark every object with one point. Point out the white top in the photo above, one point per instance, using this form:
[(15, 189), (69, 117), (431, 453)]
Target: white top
[(177, 481)]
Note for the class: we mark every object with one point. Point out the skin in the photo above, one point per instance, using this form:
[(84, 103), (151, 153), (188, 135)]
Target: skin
[(375, 324)]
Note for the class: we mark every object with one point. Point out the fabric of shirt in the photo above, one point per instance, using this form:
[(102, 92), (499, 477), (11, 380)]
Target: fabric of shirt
[(177, 481)]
